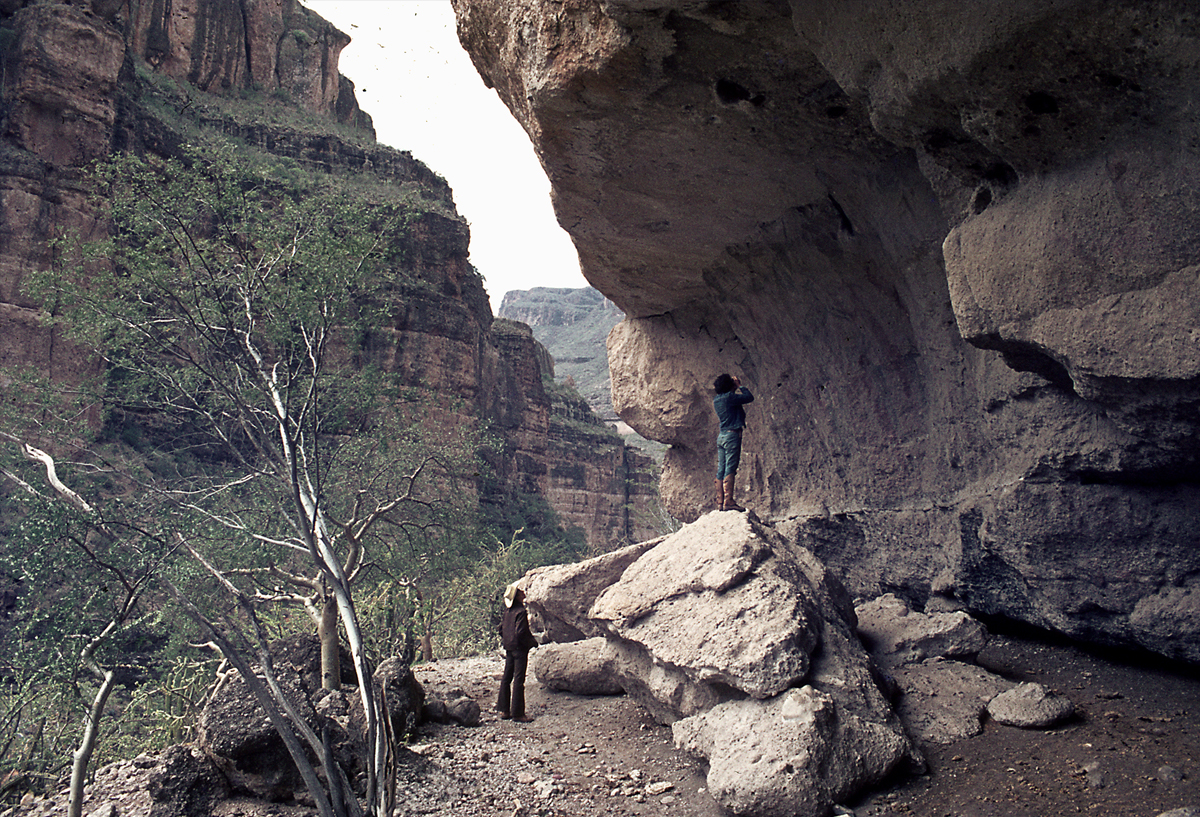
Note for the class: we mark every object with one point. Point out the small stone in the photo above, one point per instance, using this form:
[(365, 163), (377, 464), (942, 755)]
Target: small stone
[(1169, 774), (1030, 705), (658, 788)]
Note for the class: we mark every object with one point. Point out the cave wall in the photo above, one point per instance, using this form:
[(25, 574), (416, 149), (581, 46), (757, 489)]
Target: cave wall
[(950, 247)]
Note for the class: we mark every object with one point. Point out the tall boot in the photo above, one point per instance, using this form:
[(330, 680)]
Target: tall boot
[(728, 504), (719, 494)]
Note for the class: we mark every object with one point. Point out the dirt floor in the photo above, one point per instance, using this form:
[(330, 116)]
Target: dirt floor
[(1133, 749)]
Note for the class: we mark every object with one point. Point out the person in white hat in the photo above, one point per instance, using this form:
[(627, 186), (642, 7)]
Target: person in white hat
[(518, 640)]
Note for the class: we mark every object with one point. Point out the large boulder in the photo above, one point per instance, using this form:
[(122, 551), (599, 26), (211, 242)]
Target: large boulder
[(580, 667), (795, 755), (566, 593), (746, 645), (725, 604), (236, 735)]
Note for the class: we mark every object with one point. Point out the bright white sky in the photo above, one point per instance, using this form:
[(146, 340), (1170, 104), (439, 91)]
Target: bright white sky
[(424, 95)]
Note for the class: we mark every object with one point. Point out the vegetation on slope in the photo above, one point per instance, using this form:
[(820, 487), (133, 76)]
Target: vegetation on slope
[(243, 417)]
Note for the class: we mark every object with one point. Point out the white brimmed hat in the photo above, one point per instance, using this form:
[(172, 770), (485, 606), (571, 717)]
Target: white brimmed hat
[(510, 594)]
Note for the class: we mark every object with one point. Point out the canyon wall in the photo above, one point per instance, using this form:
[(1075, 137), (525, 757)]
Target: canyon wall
[(83, 80), (951, 247), (572, 324)]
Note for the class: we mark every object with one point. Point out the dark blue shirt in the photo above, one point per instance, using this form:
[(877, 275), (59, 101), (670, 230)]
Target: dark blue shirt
[(729, 408)]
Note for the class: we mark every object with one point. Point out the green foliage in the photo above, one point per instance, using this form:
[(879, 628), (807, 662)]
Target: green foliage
[(473, 598), (37, 724), (233, 306), (216, 273), (161, 712), (237, 307), (79, 578)]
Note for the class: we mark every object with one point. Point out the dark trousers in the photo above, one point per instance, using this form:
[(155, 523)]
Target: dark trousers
[(512, 688)]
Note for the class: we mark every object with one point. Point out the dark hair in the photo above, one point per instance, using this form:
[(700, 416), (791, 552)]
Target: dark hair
[(724, 384)]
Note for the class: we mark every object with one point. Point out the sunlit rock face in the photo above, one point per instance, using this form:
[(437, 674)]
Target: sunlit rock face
[(949, 246), (64, 107)]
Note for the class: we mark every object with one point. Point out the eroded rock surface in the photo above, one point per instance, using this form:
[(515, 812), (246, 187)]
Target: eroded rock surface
[(896, 634), (580, 667), (950, 249), (746, 645)]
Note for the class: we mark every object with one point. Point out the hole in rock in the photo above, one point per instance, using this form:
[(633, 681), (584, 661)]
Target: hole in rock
[(1000, 173), (983, 197), (731, 92), (1041, 103)]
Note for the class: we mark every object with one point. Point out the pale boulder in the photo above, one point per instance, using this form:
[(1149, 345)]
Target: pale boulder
[(1030, 706), (580, 667), (747, 646), (793, 756), (895, 634), (559, 596), (721, 602)]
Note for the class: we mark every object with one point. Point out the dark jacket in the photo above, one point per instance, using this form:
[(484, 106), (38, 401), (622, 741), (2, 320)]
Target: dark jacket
[(729, 408), (515, 634)]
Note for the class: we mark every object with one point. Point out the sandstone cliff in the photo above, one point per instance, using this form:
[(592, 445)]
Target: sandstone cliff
[(588, 474), (83, 80), (950, 247), (573, 325)]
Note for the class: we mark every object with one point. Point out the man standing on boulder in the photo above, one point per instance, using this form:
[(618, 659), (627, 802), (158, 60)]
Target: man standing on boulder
[(731, 396), (518, 640)]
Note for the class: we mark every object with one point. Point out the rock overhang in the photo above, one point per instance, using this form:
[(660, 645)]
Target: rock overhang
[(948, 247)]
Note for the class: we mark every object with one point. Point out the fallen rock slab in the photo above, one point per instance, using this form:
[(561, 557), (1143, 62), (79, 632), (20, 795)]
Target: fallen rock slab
[(896, 634), (943, 702)]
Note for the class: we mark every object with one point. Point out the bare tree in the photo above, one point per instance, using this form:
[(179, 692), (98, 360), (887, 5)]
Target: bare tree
[(235, 312), (130, 580)]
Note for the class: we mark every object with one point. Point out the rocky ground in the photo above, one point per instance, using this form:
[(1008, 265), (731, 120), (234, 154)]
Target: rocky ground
[(1132, 750)]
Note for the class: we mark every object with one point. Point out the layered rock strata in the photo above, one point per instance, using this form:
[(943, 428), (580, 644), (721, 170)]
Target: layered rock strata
[(82, 80), (573, 324), (950, 249)]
